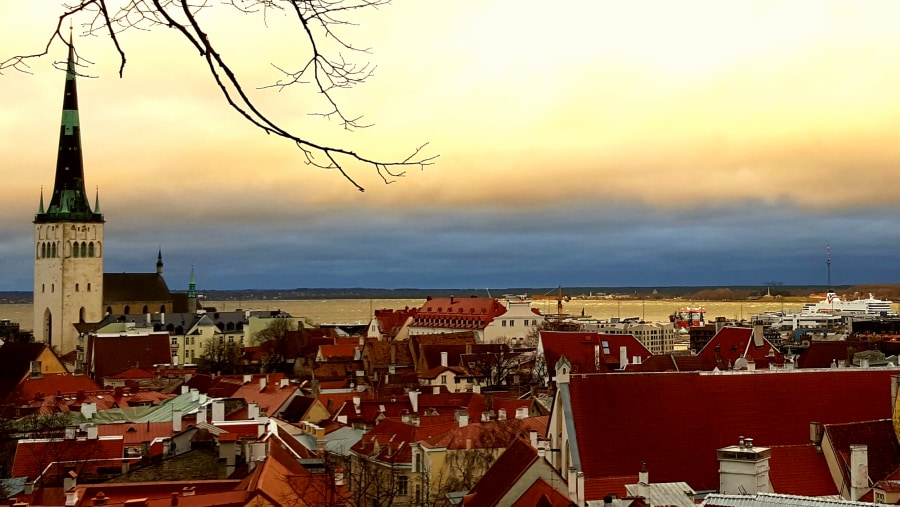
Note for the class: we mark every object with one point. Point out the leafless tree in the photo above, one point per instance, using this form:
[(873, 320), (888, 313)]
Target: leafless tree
[(220, 357), (273, 344), (325, 70)]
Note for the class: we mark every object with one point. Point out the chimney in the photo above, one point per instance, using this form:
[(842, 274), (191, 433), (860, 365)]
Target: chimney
[(88, 409), (70, 480), (758, 336), (463, 420), (99, 499), (201, 414), (252, 410), (744, 468), (533, 438), (248, 378), (176, 421), (285, 382), (572, 482), (444, 359), (202, 399), (185, 389), (501, 414), (623, 357), (579, 481), (414, 400), (218, 411), (815, 435), (91, 431), (859, 471), (262, 383), (195, 394), (188, 491), (522, 413), (643, 485)]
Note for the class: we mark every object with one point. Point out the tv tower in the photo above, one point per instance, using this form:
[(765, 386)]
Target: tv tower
[(828, 264)]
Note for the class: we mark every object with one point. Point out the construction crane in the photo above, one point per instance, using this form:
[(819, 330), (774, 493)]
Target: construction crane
[(558, 297)]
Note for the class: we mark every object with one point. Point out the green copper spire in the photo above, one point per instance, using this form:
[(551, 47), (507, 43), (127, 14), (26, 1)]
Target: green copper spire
[(97, 202), (69, 200), (41, 208)]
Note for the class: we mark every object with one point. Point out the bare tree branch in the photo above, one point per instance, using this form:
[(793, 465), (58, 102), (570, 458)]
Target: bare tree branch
[(318, 20)]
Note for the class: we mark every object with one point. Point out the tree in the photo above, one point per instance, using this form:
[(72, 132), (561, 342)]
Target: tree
[(324, 67), (220, 357), (273, 344)]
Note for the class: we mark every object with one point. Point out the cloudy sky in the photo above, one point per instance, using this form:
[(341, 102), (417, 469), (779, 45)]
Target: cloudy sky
[(584, 143)]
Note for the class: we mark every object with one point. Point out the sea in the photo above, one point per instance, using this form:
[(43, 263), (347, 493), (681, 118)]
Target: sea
[(358, 311)]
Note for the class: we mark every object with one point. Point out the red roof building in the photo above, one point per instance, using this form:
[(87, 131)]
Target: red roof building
[(741, 348), (606, 425), (47, 461)]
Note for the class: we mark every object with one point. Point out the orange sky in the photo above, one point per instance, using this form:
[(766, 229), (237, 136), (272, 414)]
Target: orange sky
[(675, 107)]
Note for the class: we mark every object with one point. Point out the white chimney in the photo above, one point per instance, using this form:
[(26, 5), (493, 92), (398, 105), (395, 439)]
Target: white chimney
[(859, 471), (218, 411), (623, 357), (643, 485), (92, 432), (501, 414), (252, 410), (533, 438), (284, 382), (176, 421), (414, 400), (195, 394), (444, 359), (262, 383), (248, 378), (521, 412), (463, 420), (88, 409), (201, 414), (185, 389), (202, 399)]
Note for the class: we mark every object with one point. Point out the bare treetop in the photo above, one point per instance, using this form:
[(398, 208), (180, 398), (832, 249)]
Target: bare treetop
[(327, 61)]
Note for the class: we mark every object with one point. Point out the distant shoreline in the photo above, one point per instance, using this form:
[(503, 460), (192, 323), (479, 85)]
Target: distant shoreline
[(705, 293)]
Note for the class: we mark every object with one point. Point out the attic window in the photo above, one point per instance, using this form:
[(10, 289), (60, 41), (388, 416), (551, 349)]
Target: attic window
[(605, 347)]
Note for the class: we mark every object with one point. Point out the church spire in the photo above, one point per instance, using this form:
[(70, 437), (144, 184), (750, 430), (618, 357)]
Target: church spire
[(192, 286), (41, 208), (159, 263), (69, 200)]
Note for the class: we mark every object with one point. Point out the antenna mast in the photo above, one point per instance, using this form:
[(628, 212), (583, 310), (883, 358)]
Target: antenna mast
[(828, 264)]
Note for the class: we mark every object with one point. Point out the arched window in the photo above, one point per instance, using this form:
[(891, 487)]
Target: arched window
[(81, 315), (76, 289), (162, 309), (75, 249), (52, 287), (53, 247), (146, 309), (83, 249), (127, 310), (43, 250), (89, 287), (91, 249), (43, 288)]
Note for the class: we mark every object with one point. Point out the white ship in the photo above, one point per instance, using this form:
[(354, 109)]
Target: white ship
[(834, 304)]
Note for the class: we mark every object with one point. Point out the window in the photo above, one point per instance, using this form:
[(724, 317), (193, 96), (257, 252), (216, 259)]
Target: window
[(417, 460), (89, 287), (512, 323), (84, 249), (403, 485), (503, 323), (75, 249), (76, 287), (90, 249), (443, 379), (175, 341)]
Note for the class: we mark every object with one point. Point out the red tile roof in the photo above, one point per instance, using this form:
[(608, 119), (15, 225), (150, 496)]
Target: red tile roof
[(134, 373), (52, 383), (487, 435), (390, 322), (670, 362), (503, 474), (821, 354), (136, 433), (338, 352), (459, 313), (733, 343), (271, 399), (883, 448), (672, 420), (541, 493), (580, 348), (34, 457), (800, 470), (109, 355)]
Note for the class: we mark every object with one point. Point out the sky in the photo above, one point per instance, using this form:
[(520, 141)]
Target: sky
[(583, 143)]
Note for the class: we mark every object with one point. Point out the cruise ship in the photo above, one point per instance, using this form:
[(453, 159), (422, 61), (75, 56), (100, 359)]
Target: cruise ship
[(834, 304)]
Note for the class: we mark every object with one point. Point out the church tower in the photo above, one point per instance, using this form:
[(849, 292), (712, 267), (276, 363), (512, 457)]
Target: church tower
[(68, 240)]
